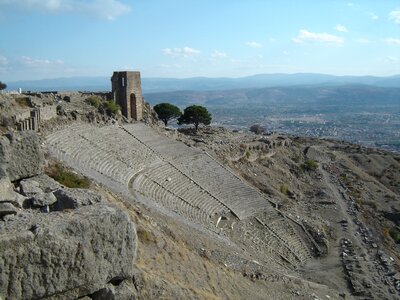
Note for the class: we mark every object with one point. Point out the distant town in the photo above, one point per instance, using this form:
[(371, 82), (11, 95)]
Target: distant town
[(368, 128)]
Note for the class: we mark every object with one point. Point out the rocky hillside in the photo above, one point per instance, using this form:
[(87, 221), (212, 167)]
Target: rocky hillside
[(347, 194), (57, 242), (60, 242)]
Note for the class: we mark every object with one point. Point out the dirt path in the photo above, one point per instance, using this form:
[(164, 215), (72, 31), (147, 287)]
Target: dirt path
[(354, 247)]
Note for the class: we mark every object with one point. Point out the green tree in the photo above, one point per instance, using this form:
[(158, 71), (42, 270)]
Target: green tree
[(2, 86), (195, 114), (167, 111), (257, 129)]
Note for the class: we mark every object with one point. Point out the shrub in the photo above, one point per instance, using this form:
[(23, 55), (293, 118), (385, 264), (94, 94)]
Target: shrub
[(94, 101), (284, 189), (310, 164), (296, 158), (23, 101), (257, 129), (111, 108), (386, 232), (395, 234), (66, 177), (6, 121), (371, 204), (145, 236)]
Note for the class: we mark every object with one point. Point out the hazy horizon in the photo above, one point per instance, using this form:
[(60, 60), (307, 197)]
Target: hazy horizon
[(207, 77)]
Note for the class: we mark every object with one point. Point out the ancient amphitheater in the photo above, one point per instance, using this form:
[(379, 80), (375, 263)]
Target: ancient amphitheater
[(139, 163)]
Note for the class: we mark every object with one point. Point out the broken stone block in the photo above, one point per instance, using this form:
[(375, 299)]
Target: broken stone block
[(43, 199), (7, 209), (74, 198), (46, 183), (8, 195), (30, 188), (6, 189)]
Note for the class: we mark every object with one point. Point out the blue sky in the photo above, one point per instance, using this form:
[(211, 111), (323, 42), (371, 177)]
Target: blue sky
[(186, 38)]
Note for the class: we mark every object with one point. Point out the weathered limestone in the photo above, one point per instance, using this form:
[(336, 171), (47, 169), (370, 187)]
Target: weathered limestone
[(8, 195), (6, 190), (7, 209), (43, 200), (20, 155), (31, 118), (56, 243), (65, 255), (75, 198), (30, 187)]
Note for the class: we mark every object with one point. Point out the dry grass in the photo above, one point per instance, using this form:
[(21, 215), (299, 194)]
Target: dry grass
[(145, 236), (66, 177), (23, 101)]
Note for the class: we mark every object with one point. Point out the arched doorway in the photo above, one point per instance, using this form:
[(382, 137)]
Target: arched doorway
[(133, 111)]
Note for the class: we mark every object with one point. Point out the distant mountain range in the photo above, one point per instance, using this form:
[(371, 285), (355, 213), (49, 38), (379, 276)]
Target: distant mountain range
[(153, 85), (297, 96)]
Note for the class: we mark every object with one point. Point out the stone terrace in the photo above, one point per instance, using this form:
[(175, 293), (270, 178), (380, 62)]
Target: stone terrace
[(135, 159), (184, 179)]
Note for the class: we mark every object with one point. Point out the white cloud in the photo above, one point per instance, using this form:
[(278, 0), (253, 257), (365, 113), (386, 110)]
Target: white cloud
[(218, 54), (105, 9), (254, 44), (180, 52), (305, 36), (350, 4), (392, 58), (392, 41), (173, 66), (363, 41), (395, 16), (373, 16), (3, 60), (341, 28), (37, 63)]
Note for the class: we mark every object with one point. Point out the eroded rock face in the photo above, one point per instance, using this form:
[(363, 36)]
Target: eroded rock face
[(66, 254), (8, 195), (56, 242), (74, 198), (20, 155)]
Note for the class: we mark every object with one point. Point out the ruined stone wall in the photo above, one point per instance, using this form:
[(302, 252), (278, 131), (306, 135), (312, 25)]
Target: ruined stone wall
[(136, 99), (127, 92), (48, 112), (22, 115), (30, 119)]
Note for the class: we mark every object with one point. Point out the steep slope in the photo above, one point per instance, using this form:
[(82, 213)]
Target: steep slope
[(346, 195)]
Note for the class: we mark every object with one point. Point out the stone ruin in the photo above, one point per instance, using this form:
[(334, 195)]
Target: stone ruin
[(31, 119), (126, 91)]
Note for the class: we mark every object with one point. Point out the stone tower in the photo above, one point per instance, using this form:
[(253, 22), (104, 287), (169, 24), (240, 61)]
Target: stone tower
[(127, 92)]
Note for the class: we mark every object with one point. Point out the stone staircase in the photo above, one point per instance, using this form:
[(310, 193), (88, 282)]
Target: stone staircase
[(136, 159)]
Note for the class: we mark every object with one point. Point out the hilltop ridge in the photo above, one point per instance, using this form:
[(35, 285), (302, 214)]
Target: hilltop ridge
[(154, 84)]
